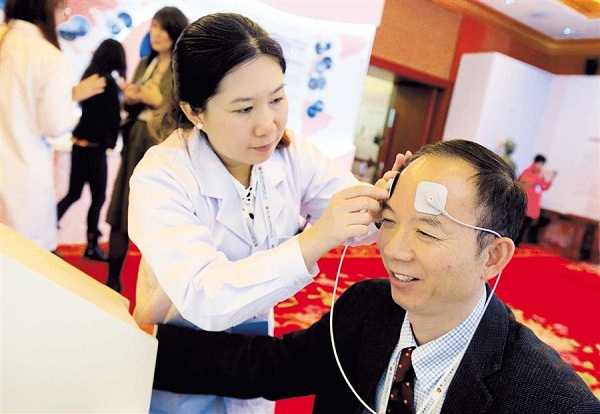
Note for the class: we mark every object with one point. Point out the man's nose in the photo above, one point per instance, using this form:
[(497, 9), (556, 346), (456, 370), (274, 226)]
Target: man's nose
[(399, 246)]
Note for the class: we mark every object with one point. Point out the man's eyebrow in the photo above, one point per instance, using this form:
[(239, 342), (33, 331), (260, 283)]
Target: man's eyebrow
[(432, 221), (386, 206), (245, 99)]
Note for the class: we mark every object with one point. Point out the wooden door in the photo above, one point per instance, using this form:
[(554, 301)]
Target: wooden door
[(414, 105)]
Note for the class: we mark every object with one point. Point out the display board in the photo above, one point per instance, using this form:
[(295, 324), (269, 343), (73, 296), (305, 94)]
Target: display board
[(327, 46), (67, 342)]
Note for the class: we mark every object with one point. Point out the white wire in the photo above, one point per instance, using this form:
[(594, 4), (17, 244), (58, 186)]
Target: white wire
[(339, 364), (445, 213)]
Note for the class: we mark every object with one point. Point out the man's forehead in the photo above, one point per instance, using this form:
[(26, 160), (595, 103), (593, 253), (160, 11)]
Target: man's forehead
[(449, 178)]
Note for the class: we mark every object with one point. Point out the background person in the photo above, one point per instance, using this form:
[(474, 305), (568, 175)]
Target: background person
[(151, 84), (535, 181), (432, 303), (38, 103), (214, 209), (508, 149), (97, 130)]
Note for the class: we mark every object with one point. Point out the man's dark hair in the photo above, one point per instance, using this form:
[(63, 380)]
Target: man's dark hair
[(539, 158), (501, 199)]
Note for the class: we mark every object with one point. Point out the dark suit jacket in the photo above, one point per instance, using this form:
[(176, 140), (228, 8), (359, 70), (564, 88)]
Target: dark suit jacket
[(506, 368)]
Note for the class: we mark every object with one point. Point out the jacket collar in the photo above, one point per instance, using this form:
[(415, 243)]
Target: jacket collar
[(216, 182), (380, 337), (483, 358)]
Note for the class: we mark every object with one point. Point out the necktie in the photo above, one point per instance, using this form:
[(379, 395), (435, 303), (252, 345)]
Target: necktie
[(402, 394)]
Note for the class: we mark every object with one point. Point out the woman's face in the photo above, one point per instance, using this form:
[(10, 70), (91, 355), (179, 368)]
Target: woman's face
[(246, 119), (160, 40)]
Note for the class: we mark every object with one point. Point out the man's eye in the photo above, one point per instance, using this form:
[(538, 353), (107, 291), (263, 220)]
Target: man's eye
[(277, 100), (421, 232), (383, 223)]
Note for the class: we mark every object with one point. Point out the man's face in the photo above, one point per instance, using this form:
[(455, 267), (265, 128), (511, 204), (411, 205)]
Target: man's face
[(432, 261)]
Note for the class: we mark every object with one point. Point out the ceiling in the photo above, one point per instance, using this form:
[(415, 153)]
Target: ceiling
[(552, 17)]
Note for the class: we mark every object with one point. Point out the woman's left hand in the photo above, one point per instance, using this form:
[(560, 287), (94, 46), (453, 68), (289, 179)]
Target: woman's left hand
[(398, 165)]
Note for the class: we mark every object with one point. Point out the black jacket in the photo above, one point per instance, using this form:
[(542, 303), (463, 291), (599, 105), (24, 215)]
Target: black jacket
[(101, 116), (506, 368)]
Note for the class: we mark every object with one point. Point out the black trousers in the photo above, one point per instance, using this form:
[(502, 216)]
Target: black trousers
[(88, 165)]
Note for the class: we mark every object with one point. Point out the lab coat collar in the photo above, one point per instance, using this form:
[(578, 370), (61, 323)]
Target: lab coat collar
[(216, 182)]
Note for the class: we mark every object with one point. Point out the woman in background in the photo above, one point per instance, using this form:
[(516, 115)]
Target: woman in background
[(215, 208), (38, 102), (97, 130), (151, 84)]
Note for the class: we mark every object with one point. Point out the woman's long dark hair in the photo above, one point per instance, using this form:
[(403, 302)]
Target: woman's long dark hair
[(173, 21), (38, 12), (108, 57)]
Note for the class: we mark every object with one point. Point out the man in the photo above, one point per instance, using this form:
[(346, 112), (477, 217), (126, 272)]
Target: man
[(535, 182), (438, 265)]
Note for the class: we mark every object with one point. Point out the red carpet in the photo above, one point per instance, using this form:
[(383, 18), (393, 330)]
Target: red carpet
[(557, 298)]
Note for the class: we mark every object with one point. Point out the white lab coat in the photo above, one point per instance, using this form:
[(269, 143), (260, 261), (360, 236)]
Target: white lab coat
[(199, 265), (36, 102)]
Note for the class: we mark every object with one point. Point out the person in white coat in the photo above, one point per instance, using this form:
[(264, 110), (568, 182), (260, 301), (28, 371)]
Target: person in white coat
[(214, 209), (38, 102)]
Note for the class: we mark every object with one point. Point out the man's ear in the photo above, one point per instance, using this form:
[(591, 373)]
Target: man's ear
[(498, 255), (190, 114)]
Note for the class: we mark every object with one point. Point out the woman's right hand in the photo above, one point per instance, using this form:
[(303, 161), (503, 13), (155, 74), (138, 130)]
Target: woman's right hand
[(349, 214), (131, 94)]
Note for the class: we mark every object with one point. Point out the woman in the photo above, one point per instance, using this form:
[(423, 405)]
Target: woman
[(37, 78), (151, 83), (97, 130), (214, 208)]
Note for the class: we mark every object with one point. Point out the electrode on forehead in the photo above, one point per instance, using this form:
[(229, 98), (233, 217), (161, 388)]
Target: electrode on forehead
[(431, 198)]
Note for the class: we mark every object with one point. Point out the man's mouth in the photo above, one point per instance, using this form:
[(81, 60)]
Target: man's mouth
[(404, 278)]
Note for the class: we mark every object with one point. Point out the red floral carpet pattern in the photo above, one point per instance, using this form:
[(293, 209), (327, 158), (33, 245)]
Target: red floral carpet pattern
[(557, 298)]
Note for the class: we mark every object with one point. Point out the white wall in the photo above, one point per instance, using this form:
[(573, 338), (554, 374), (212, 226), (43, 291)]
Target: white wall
[(497, 98), (570, 138)]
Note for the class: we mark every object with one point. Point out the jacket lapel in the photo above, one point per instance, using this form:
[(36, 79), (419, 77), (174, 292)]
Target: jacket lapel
[(468, 391), (273, 175), (380, 338), (214, 181)]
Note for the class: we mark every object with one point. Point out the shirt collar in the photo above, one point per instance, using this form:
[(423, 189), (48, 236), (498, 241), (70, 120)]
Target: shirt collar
[(431, 360)]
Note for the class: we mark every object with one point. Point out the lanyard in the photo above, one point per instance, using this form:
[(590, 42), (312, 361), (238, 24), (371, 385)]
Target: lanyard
[(439, 392), (272, 236)]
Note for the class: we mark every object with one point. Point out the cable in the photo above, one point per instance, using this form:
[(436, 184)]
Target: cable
[(337, 360)]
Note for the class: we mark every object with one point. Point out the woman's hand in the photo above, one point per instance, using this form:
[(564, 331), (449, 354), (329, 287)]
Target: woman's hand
[(150, 94), (88, 87), (348, 215), (131, 94), (398, 165)]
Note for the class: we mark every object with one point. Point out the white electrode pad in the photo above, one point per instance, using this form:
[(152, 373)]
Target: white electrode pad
[(431, 198)]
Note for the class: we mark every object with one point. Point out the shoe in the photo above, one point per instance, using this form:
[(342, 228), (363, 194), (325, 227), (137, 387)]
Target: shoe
[(94, 252)]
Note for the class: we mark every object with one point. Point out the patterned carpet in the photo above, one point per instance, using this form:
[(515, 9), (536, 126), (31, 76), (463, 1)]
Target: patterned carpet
[(557, 298)]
